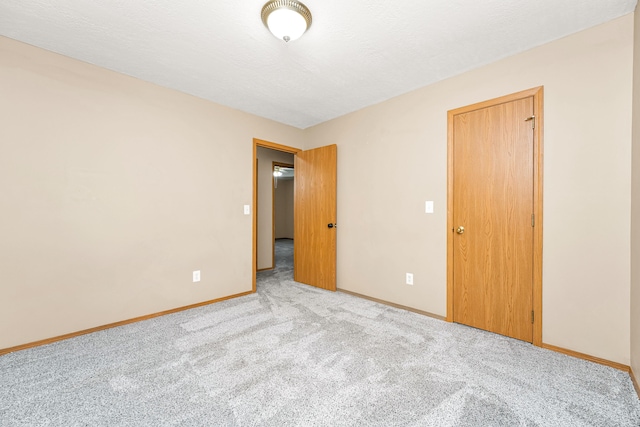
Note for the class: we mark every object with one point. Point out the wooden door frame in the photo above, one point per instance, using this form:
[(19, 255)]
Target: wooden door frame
[(273, 146), (273, 210), (537, 93)]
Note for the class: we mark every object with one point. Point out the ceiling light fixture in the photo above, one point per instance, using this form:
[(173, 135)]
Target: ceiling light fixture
[(277, 172), (286, 19)]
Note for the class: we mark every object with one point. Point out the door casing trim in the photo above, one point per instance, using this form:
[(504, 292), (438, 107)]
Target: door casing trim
[(538, 134)]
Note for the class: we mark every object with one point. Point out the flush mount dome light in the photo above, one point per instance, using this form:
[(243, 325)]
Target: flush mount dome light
[(286, 19)]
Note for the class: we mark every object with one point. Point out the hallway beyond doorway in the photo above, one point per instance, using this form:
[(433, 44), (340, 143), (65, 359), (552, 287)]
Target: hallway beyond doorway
[(283, 263)]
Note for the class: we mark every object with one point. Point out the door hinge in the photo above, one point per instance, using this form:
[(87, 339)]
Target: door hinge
[(532, 316), (533, 220), (531, 119)]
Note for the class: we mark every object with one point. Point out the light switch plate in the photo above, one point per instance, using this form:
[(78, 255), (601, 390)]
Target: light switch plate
[(196, 276), (428, 206), (247, 209)]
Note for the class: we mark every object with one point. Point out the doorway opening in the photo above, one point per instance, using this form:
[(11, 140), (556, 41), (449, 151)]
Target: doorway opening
[(267, 156), (274, 167), (314, 211)]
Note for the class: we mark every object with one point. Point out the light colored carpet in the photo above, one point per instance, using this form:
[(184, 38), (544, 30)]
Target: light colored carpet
[(292, 355)]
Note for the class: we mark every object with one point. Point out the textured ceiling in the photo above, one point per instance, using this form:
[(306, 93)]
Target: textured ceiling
[(356, 53)]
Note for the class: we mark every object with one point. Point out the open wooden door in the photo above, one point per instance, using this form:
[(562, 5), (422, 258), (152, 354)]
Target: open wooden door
[(314, 256)]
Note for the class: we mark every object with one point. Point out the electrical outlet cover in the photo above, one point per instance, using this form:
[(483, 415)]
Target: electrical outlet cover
[(409, 278)]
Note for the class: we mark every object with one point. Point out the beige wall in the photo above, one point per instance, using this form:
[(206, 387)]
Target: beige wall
[(112, 191), (393, 157), (635, 207), (284, 209), (266, 157)]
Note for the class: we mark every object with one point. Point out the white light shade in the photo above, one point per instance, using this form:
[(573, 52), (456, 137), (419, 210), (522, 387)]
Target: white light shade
[(286, 19), (286, 24)]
